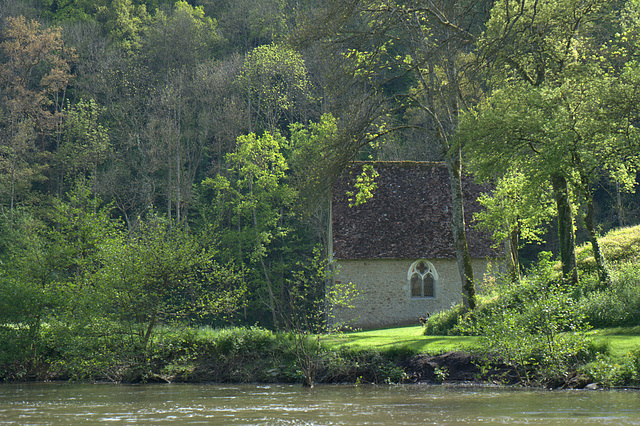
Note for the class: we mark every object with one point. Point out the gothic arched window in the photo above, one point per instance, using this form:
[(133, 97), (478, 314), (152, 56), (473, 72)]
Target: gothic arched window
[(422, 279)]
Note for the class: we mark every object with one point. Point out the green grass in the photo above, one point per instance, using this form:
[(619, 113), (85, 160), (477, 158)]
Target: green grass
[(411, 336), (622, 244), (621, 340)]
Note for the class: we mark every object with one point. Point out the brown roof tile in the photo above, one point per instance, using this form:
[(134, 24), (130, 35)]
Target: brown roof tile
[(409, 215)]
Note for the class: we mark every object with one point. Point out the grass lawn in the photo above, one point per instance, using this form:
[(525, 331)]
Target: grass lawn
[(401, 336), (621, 339)]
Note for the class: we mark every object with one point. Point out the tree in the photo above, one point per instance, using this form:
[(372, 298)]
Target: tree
[(219, 109), (71, 10), (274, 79), (546, 113), (47, 279), (162, 274), (179, 39), (153, 97), (125, 22), (250, 210), (407, 57), (27, 290), (36, 66), (514, 213), (248, 24), (86, 142)]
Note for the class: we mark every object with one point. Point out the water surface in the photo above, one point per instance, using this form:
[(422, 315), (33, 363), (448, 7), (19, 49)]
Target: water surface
[(208, 404)]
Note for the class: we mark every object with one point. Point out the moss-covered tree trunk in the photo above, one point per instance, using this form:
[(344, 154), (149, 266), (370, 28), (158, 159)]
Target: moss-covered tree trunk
[(589, 223), (463, 257), (565, 229)]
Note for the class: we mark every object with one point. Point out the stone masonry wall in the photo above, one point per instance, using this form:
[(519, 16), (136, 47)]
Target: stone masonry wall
[(384, 295)]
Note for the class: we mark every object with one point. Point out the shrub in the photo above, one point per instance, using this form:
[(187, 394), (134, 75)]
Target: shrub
[(444, 322), (359, 366), (535, 326), (609, 372), (618, 304), (618, 245)]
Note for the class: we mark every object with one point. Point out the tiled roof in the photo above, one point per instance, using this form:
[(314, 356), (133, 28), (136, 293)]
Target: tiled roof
[(409, 215)]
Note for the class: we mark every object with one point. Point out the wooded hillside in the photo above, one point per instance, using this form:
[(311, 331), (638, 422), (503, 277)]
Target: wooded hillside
[(165, 161)]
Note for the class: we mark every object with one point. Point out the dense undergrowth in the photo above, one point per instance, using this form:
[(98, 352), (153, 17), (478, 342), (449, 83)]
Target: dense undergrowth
[(538, 325), (537, 328), (202, 354)]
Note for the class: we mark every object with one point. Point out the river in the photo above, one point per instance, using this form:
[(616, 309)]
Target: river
[(215, 404)]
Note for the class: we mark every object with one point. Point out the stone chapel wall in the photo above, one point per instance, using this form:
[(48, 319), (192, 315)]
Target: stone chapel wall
[(384, 297)]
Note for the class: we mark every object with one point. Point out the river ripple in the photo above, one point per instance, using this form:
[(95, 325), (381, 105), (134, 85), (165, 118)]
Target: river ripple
[(209, 404)]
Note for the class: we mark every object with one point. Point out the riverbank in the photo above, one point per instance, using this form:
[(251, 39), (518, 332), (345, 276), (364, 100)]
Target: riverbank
[(255, 355), (455, 359)]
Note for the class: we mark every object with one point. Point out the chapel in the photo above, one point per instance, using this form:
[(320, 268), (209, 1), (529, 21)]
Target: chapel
[(397, 248)]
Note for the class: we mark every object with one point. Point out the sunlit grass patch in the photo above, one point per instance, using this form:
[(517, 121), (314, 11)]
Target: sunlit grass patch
[(410, 336), (622, 244), (620, 340)]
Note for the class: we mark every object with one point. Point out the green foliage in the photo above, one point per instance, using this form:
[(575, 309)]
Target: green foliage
[(617, 304), (49, 277), (162, 274), (247, 24), (507, 209), (179, 39), (275, 81), (619, 245), (251, 197), (71, 10), (537, 325), (547, 112), (365, 184), (150, 113), (86, 142), (610, 372), (309, 302), (534, 325), (444, 322), (252, 213), (125, 22), (359, 366), (83, 230), (310, 143), (241, 354)]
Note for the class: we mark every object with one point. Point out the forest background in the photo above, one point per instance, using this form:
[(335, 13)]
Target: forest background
[(169, 162)]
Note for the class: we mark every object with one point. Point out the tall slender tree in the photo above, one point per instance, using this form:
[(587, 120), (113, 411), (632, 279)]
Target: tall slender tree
[(402, 57), (36, 66)]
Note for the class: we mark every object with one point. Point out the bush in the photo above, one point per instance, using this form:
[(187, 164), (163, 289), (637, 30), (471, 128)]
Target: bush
[(444, 322), (619, 245), (534, 326), (359, 366), (242, 354), (611, 372), (618, 304)]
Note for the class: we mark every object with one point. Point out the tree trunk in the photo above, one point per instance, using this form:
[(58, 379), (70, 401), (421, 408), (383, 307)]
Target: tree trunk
[(511, 251), (454, 165), (463, 257), (565, 229), (619, 211), (589, 223)]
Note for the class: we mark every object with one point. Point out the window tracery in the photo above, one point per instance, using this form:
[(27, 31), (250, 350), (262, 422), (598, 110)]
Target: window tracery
[(422, 278)]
